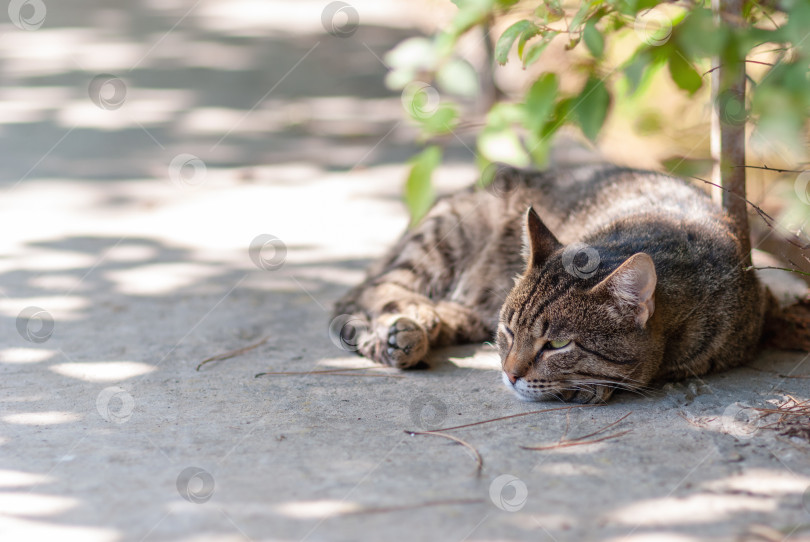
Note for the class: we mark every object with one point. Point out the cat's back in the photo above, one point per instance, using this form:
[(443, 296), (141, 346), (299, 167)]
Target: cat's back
[(581, 200)]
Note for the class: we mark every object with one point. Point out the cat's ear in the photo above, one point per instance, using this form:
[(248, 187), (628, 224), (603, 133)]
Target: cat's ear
[(541, 243), (632, 286)]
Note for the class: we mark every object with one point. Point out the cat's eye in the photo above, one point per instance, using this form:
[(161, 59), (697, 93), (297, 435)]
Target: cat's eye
[(556, 345)]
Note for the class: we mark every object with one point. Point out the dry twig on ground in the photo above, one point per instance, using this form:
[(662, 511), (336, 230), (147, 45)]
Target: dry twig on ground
[(232, 353), (794, 418), (566, 442), (331, 372)]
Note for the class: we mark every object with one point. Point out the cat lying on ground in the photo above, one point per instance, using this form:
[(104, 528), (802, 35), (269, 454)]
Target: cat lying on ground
[(592, 278)]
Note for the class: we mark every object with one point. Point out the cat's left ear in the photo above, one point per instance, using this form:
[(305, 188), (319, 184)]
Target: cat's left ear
[(632, 286), (541, 243)]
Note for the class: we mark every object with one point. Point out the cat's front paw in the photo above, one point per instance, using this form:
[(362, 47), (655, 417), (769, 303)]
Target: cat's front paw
[(406, 343)]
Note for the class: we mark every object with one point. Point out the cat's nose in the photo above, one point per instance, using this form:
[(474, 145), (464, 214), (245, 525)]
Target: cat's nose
[(512, 377)]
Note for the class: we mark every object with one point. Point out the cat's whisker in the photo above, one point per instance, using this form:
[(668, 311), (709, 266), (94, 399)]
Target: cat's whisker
[(640, 390), (587, 384)]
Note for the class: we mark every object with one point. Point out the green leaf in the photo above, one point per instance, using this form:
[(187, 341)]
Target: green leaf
[(562, 110), (591, 107), (540, 101), (412, 54), (642, 67), (507, 39), (419, 193), (458, 77), (524, 37), (539, 148), (442, 121), (593, 39), (534, 52), (550, 11), (682, 72), (470, 13), (502, 146), (504, 114), (579, 16), (699, 36)]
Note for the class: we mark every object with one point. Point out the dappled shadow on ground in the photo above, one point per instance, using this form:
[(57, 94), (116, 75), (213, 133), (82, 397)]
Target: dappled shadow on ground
[(177, 81), (324, 455)]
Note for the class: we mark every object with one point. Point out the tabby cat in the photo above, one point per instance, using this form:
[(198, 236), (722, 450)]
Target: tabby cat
[(591, 278)]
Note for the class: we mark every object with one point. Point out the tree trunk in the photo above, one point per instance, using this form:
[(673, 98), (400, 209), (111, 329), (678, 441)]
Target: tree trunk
[(728, 129)]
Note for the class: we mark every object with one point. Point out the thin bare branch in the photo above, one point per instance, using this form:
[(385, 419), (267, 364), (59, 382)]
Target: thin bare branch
[(584, 439), (748, 61), (404, 507), (570, 443), (514, 416), (232, 353), (775, 170), (768, 219), (605, 428), (330, 372)]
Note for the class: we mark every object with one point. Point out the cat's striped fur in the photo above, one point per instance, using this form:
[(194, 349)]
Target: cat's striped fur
[(640, 272)]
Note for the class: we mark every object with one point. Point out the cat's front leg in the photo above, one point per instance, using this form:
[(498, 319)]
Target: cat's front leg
[(396, 327), (405, 341)]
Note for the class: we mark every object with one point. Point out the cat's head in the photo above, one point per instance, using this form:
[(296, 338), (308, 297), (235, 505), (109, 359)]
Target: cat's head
[(577, 326)]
